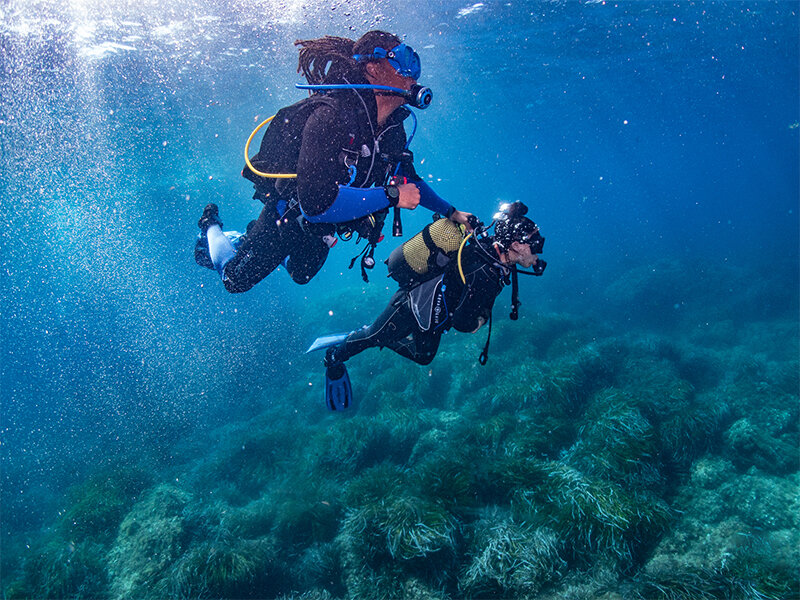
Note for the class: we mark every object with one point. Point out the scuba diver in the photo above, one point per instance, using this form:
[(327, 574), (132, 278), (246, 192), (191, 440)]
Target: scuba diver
[(331, 164), (439, 290)]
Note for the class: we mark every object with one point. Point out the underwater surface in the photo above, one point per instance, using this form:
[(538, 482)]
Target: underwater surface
[(633, 435)]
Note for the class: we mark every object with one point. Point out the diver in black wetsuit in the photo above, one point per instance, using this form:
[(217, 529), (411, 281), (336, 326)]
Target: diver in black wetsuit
[(346, 155), (462, 298)]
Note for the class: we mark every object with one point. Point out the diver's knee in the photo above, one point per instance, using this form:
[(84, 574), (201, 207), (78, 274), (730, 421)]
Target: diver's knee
[(236, 287), (301, 279)]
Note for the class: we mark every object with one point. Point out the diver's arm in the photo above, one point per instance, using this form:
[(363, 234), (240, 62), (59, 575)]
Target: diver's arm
[(318, 165), (351, 203), (472, 315), (427, 197), (431, 200), (396, 139), (435, 203), (481, 323), (477, 300)]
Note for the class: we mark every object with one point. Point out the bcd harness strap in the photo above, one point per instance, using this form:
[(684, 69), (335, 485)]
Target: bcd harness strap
[(437, 258), (514, 294), (484, 357), (367, 260)]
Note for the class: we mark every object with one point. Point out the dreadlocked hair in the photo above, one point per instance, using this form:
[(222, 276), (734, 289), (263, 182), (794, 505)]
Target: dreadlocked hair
[(330, 58), (326, 57)]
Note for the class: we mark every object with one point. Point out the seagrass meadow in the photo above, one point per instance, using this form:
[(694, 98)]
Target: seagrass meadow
[(634, 435), (659, 462)]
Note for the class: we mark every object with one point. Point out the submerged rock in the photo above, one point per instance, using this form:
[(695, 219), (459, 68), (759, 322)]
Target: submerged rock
[(150, 540), (738, 535)]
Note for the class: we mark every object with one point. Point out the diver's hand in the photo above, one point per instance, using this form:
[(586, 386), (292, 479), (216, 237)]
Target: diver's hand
[(463, 218), (481, 323), (409, 196)]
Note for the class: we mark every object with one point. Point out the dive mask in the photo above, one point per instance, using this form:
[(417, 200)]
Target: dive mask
[(513, 226), (403, 58), (535, 241)]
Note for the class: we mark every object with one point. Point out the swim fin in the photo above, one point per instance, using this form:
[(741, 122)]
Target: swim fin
[(202, 256), (326, 341), (338, 391)]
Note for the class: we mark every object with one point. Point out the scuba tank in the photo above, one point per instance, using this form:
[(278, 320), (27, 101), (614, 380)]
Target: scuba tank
[(427, 254)]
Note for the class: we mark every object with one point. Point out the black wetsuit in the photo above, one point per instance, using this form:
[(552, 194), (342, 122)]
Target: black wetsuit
[(341, 130), (398, 329)]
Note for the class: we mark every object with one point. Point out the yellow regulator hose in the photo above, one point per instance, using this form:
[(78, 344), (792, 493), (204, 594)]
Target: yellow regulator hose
[(460, 268), (250, 165)]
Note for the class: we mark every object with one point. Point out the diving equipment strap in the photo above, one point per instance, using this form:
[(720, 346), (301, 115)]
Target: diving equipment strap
[(484, 357), (367, 256), (514, 294)]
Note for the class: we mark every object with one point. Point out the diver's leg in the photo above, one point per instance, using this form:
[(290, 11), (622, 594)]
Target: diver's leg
[(220, 248), (307, 256), (396, 329), (264, 248), (394, 323), (420, 346)]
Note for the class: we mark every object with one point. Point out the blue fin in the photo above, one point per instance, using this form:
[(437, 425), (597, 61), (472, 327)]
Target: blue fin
[(326, 341), (338, 391)]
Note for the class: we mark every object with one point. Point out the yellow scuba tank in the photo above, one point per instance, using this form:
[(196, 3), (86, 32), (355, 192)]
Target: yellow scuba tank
[(427, 254)]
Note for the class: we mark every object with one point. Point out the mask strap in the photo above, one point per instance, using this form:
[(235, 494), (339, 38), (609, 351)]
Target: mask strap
[(378, 54)]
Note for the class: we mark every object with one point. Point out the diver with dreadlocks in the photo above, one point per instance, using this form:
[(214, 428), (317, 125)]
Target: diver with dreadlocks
[(333, 164), (440, 288)]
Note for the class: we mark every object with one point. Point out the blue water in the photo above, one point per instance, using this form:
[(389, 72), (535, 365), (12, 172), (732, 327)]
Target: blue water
[(641, 134)]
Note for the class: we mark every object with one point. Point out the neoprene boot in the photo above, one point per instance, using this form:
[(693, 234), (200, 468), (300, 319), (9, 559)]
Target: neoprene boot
[(210, 217)]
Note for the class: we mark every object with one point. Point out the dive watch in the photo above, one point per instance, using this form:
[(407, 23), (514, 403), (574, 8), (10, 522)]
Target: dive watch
[(392, 193)]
